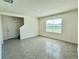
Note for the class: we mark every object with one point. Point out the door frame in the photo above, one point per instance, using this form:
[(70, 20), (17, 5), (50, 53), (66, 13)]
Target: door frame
[(12, 15)]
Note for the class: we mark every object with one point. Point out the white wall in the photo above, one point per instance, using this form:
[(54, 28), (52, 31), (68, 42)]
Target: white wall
[(11, 26), (30, 28), (70, 31), (1, 38)]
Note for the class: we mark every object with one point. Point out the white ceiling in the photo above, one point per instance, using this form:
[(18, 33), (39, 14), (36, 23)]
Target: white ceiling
[(38, 8)]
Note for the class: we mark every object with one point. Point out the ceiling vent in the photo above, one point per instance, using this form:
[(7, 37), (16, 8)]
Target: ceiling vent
[(9, 1)]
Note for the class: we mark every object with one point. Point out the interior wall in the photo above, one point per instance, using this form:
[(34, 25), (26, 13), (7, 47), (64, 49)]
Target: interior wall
[(11, 26), (30, 27), (70, 22), (1, 38)]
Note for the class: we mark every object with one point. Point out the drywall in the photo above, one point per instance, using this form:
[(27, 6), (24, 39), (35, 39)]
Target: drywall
[(1, 31), (1, 38), (30, 27), (11, 14), (70, 31), (11, 26)]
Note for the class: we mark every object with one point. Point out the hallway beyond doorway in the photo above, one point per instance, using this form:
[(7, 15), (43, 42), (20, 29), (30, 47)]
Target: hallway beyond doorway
[(11, 26)]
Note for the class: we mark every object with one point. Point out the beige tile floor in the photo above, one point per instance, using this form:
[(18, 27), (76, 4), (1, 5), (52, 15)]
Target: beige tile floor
[(39, 48)]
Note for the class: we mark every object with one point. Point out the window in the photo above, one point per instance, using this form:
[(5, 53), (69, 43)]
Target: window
[(54, 25)]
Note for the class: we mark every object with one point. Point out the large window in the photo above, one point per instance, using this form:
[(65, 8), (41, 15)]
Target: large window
[(54, 25)]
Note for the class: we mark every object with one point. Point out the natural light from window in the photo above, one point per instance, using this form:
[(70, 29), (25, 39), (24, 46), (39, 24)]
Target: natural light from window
[(54, 25)]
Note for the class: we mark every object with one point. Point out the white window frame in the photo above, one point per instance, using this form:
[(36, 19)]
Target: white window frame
[(52, 21)]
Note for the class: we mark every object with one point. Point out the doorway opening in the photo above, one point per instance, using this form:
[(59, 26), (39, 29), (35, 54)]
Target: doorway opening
[(11, 27)]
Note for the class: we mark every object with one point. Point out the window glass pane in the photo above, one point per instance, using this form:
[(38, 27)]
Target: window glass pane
[(49, 24), (57, 21), (57, 25), (54, 25)]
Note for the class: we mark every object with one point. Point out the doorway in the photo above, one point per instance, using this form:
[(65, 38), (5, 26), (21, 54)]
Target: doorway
[(11, 27)]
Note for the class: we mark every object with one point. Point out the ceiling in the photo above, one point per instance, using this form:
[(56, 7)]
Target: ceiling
[(38, 8)]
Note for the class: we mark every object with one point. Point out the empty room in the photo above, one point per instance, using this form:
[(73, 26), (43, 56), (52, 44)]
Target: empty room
[(38, 29)]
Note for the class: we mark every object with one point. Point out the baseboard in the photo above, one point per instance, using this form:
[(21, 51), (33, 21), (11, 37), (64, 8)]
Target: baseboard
[(59, 40), (50, 38), (30, 37)]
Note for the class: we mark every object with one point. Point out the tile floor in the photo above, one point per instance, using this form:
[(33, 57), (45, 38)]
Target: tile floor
[(39, 48)]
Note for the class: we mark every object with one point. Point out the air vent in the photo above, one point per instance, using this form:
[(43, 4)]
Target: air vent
[(9, 1)]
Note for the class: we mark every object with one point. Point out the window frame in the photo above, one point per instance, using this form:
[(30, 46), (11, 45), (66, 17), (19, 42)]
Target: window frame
[(52, 29)]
